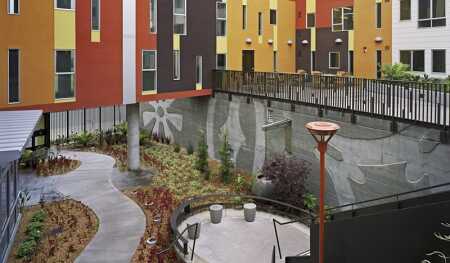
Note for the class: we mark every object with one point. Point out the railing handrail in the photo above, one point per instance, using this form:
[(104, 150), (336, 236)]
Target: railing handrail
[(397, 196), (178, 238), (275, 222)]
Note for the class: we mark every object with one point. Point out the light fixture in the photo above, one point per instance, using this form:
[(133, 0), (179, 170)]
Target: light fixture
[(290, 42), (339, 41), (248, 40), (322, 133), (378, 39), (270, 41), (305, 42), (365, 49)]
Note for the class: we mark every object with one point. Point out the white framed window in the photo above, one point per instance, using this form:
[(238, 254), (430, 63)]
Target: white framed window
[(176, 65), (342, 18), (149, 70), (179, 17), (273, 16), (153, 16), (13, 7), (405, 10), (260, 24), (64, 74), (95, 15), (415, 59), (13, 75), (431, 13), (65, 4), (334, 60), (199, 70), (438, 60), (221, 61), (221, 15)]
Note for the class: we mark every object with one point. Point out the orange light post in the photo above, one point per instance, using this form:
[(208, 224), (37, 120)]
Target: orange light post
[(322, 133)]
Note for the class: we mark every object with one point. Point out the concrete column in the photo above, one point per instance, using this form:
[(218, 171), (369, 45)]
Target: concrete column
[(133, 137)]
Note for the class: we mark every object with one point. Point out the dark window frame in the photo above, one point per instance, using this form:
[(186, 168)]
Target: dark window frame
[(443, 66)]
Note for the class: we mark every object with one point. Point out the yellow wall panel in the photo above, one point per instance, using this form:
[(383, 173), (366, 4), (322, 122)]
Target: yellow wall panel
[(221, 45), (176, 42), (313, 39), (95, 36), (310, 6), (351, 40), (65, 29)]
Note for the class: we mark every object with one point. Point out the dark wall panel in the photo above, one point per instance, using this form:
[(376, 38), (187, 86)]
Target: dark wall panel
[(303, 56), (325, 44)]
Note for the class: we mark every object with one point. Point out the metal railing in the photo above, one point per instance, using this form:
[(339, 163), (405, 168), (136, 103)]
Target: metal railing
[(275, 222), (422, 103), (185, 244)]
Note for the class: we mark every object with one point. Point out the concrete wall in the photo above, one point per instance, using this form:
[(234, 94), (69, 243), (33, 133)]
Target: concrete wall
[(365, 160)]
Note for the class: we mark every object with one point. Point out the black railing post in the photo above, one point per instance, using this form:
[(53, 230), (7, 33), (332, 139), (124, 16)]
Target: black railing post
[(47, 129), (67, 125), (114, 117), (84, 120), (276, 235), (100, 125)]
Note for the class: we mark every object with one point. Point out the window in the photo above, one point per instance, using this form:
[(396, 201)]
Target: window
[(351, 62), (334, 60), (221, 61), (65, 74), (439, 61), (13, 75), (273, 17), (95, 5), (310, 20), (149, 70), (65, 4), (244, 17), (415, 59), (379, 64), (153, 15), (342, 19), (275, 61), (260, 24), (176, 65), (405, 9), (431, 13), (221, 14), (379, 16), (13, 7), (179, 17), (313, 61), (198, 70)]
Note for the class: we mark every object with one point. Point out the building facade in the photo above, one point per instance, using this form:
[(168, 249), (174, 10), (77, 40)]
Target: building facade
[(66, 54), (421, 36)]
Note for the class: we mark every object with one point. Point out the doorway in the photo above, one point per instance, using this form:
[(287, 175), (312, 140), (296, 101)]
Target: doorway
[(248, 60)]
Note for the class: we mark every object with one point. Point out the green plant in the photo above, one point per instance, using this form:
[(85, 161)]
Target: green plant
[(190, 149), (83, 139), (201, 160), (144, 137), (177, 148), (26, 249), (33, 226), (120, 132), (396, 71), (226, 165), (34, 234), (39, 216), (310, 202)]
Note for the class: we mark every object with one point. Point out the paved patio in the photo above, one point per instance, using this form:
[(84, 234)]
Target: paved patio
[(235, 240)]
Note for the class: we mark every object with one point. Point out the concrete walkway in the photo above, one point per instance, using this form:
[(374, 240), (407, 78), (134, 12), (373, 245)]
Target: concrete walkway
[(122, 222)]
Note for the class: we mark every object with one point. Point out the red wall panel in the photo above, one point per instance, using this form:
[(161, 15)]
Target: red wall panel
[(301, 14), (323, 11)]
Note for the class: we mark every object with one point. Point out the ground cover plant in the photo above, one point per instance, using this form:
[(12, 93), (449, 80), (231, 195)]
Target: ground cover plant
[(56, 165), (54, 232)]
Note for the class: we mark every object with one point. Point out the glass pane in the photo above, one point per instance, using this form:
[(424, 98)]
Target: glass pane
[(64, 61), (221, 27), (439, 22), (65, 86), (179, 7), (424, 9), (179, 25), (439, 61), (337, 27), (273, 17), (425, 23), (149, 80), (379, 18), (337, 16), (419, 60), (221, 10), (153, 15), (13, 76), (311, 20), (244, 17), (149, 60), (405, 9), (65, 4), (176, 64), (438, 8), (198, 69), (221, 61), (95, 15), (348, 21), (405, 57), (334, 60)]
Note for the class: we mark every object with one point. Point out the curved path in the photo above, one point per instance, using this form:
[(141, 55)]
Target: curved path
[(121, 221)]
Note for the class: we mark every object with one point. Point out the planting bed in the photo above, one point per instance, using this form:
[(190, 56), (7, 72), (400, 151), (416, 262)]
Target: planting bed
[(57, 165), (67, 227)]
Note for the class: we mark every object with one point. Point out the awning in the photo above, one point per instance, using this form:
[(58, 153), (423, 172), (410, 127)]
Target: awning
[(16, 128)]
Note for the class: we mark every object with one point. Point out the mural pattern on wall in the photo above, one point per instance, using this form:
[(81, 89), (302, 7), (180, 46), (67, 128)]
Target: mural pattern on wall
[(364, 161)]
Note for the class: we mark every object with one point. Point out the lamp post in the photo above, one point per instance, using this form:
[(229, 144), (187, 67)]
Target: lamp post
[(322, 133)]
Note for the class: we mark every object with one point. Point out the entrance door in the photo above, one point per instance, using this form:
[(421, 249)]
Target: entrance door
[(379, 64), (248, 60)]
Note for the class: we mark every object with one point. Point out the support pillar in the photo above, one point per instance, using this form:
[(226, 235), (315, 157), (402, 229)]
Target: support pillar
[(133, 137)]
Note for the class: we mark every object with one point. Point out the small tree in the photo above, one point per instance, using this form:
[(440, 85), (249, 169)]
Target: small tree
[(226, 165), (201, 160), (397, 71)]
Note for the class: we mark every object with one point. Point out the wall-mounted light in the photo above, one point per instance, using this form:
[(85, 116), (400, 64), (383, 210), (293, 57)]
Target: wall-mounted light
[(248, 40), (378, 39), (339, 41), (290, 42), (270, 41), (365, 49), (305, 42)]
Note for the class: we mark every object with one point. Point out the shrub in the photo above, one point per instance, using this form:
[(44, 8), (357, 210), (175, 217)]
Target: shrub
[(144, 137), (177, 148), (310, 202), (26, 249), (121, 131), (83, 139), (39, 216), (288, 175), (226, 165), (190, 149), (201, 160), (396, 71)]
